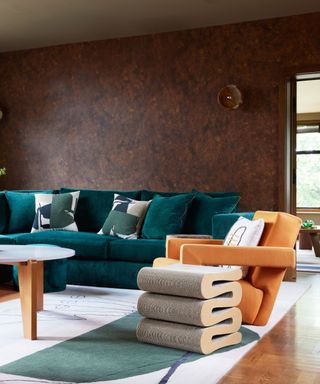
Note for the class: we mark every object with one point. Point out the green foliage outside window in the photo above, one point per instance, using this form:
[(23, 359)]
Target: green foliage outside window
[(308, 170)]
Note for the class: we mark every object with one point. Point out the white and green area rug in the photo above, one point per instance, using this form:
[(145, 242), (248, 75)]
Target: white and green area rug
[(88, 335)]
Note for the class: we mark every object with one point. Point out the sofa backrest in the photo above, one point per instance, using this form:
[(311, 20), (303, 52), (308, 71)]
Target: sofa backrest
[(94, 206), (17, 210)]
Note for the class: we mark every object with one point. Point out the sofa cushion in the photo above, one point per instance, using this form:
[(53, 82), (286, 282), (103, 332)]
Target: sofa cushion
[(99, 273), (21, 210), (166, 215), (139, 250), (203, 208), (86, 244), (6, 240), (14, 236), (94, 206)]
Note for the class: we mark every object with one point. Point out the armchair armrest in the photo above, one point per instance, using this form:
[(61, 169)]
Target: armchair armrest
[(173, 245), (275, 257)]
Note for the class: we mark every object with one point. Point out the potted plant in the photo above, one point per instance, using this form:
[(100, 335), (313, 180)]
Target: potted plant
[(308, 224)]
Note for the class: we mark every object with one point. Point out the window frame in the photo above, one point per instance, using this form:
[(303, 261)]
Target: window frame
[(307, 152)]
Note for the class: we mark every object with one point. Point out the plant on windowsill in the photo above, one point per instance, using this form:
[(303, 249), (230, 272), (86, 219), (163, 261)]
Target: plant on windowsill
[(308, 224)]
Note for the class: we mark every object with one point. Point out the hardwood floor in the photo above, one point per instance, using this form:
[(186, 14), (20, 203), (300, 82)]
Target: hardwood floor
[(7, 293), (290, 353)]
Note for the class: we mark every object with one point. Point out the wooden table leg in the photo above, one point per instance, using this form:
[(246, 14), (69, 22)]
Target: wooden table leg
[(40, 283), (28, 297), (315, 238), (305, 240)]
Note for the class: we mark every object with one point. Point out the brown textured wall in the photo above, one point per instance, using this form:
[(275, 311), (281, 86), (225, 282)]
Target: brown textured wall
[(142, 113)]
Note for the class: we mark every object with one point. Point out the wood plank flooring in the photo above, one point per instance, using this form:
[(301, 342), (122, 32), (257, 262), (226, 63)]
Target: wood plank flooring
[(7, 293), (289, 354)]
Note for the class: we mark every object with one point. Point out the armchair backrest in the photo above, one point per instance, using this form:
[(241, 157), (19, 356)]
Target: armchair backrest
[(281, 230)]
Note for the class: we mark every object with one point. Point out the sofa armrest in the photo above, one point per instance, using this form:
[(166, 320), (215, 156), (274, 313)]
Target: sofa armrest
[(4, 212), (222, 222), (275, 257), (173, 245)]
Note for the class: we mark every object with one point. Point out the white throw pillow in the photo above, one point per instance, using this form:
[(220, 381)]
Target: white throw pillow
[(245, 233), (55, 212)]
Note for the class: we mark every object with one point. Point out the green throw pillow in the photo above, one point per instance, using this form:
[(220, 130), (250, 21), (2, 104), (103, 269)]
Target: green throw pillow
[(149, 195), (203, 207), (55, 212), (21, 210), (125, 218), (166, 215), (217, 194)]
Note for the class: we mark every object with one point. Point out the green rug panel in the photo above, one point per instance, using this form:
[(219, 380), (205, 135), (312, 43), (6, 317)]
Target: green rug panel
[(108, 353)]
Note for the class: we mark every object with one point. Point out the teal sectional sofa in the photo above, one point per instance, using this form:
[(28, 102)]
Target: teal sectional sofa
[(102, 260)]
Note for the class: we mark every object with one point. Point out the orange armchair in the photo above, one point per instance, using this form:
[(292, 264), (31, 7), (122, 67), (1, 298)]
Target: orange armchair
[(267, 262)]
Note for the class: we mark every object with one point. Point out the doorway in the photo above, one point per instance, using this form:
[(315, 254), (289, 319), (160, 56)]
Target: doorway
[(303, 160), (302, 144)]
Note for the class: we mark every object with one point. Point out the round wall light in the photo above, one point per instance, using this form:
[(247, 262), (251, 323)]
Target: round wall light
[(230, 97)]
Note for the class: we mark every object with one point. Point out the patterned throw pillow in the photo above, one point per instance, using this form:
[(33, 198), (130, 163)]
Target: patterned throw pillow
[(125, 218), (55, 212), (245, 233)]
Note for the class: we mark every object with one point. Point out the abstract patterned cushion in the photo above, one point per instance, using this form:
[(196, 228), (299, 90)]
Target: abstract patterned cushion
[(55, 212), (125, 218)]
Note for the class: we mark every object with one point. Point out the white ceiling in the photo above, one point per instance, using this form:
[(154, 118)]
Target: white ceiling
[(28, 24), (308, 96)]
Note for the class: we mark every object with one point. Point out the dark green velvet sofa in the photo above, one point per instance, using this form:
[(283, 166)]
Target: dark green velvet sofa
[(100, 260)]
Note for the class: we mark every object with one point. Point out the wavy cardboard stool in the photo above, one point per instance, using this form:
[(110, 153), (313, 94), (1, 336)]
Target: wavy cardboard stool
[(192, 308)]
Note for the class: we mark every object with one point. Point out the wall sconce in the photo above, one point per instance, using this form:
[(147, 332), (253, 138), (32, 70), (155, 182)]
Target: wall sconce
[(1, 113), (230, 97)]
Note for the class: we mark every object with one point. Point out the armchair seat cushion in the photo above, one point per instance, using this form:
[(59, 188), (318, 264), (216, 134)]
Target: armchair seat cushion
[(86, 244)]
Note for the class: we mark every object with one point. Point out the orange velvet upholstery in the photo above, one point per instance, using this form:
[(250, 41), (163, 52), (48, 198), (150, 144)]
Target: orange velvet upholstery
[(267, 262)]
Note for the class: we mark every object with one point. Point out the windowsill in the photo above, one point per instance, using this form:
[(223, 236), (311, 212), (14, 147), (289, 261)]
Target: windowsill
[(314, 211)]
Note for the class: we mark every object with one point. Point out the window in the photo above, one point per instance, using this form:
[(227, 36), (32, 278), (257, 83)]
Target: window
[(308, 166)]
